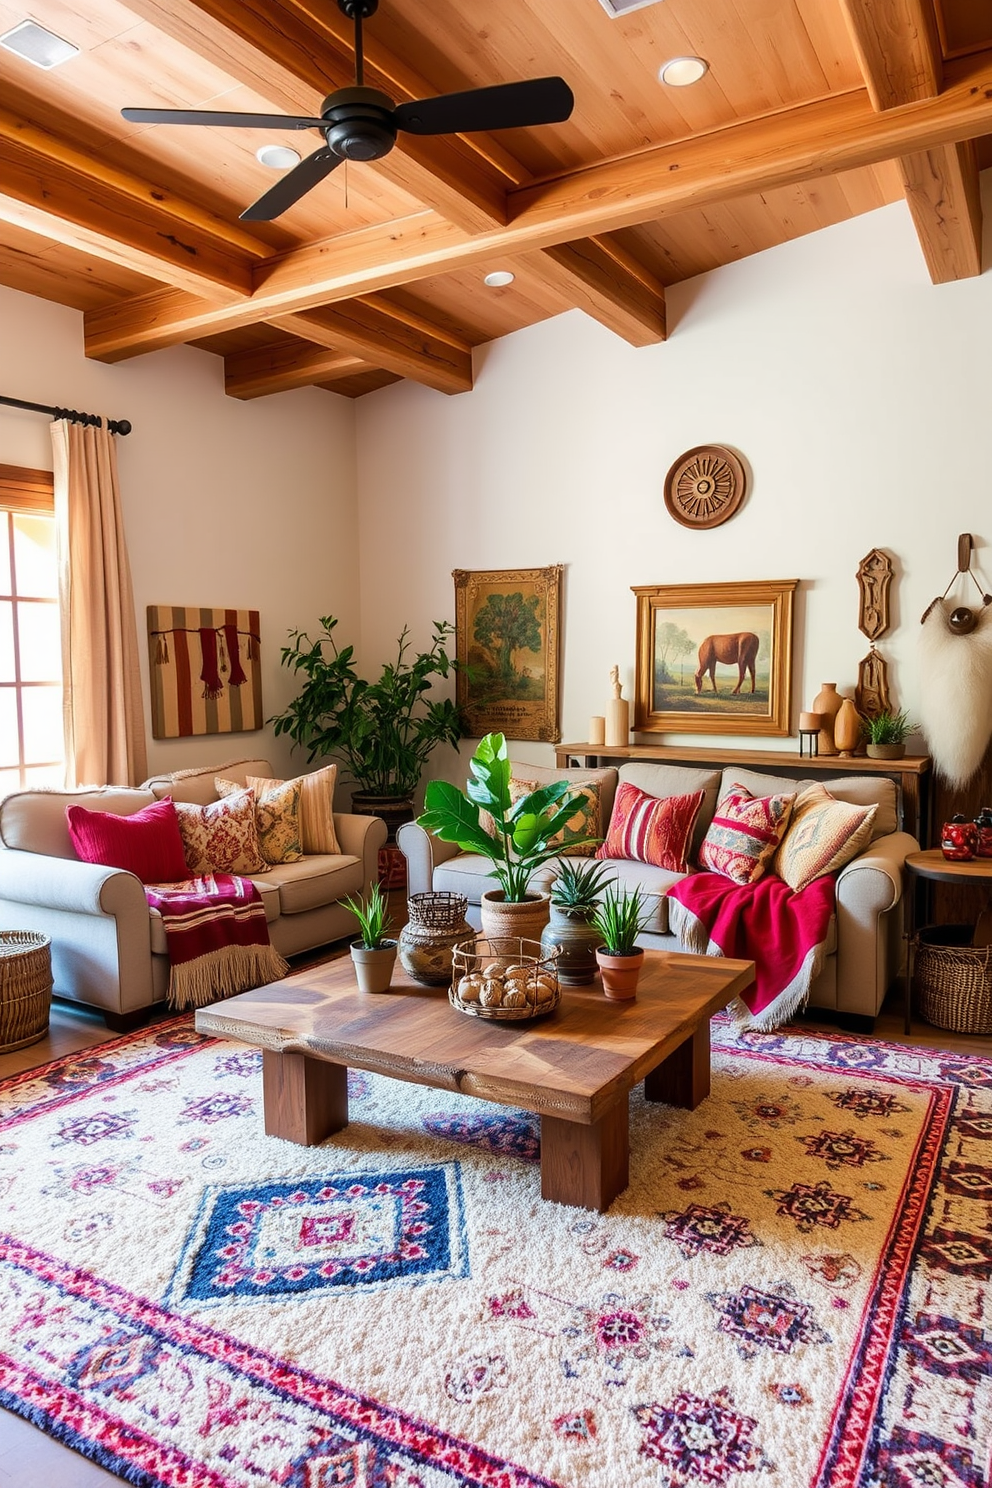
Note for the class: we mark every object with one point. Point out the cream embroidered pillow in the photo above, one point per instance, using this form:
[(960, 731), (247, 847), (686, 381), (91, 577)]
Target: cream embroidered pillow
[(221, 837), (823, 835), (316, 807), (277, 816)]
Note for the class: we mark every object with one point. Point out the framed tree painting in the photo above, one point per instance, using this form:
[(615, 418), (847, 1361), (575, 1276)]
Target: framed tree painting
[(714, 658), (507, 642)]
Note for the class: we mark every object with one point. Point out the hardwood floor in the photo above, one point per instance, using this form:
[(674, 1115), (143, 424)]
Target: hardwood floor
[(29, 1459)]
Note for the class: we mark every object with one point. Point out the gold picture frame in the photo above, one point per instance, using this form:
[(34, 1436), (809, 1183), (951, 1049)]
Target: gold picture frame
[(507, 641), (714, 658)]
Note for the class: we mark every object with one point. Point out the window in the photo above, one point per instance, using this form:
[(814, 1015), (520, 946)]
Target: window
[(31, 740)]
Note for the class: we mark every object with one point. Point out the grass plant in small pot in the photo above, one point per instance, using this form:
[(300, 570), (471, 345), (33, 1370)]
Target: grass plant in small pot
[(373, 954), (575, 896), (521, 841), (886, 734), (619, 919)]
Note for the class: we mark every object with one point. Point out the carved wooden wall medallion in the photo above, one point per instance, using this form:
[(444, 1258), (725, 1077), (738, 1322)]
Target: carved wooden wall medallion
[(874, 578), (705, 486), (871, 696)]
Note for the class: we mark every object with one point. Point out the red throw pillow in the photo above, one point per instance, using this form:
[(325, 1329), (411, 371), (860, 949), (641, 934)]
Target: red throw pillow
[(651, 829), (744, 835), (146, 844)]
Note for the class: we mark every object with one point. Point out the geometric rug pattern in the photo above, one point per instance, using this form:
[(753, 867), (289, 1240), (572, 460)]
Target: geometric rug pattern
[(796, 1288)]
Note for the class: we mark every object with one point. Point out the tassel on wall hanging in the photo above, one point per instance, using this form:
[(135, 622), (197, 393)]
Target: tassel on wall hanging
[(955, 656)]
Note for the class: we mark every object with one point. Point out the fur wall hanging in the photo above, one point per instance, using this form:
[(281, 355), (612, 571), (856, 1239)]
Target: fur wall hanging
[(955, 655)]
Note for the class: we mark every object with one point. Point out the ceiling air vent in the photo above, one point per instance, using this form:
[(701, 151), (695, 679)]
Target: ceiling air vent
[(35, 44), (616, 8)]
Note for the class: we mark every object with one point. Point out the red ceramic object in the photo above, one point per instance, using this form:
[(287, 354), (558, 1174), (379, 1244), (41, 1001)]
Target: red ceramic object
[(983, 821), (959, 840)]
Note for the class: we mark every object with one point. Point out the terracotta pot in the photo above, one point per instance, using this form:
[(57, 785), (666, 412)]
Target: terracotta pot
[(885, 751), (847, 728), (578, 940), (827, 703), (620, 973), (374, 968), (527, 918), (437, 923)]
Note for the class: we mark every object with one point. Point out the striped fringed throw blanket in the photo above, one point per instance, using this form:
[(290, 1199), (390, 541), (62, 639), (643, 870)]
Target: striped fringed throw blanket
[(217, 938)]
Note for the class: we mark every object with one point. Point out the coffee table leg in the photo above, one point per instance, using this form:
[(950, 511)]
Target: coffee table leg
[(586, 1165), (683, 1079), (304, 1099)]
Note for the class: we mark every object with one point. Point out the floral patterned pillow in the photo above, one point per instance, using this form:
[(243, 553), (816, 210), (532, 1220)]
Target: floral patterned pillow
[(277, 815), (221, 837)]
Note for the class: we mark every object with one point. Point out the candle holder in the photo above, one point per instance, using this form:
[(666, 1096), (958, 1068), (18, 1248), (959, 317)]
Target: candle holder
[(810, 725)]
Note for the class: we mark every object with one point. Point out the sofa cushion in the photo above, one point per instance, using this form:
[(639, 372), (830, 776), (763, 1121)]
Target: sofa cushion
[(270, 903), (823, 835), (277, 815), (744, 834), (649, 829), (316, 880), (654, 884), (35, 820), (316, 807), (857, 790), (545, 775), (586, 820), (197, 786), (146, 843), (220, 836), (678, 780)]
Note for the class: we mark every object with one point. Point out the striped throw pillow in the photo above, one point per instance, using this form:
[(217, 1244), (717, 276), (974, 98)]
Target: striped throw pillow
[(651, 829), (823, 835), (744, 834), (316, 807)]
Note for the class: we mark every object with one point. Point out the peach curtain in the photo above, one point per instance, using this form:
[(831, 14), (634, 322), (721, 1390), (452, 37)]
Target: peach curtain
[(104, 720)]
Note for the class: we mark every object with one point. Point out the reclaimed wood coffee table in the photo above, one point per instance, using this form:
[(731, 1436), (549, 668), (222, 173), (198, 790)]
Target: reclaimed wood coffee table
[(574, 1068)]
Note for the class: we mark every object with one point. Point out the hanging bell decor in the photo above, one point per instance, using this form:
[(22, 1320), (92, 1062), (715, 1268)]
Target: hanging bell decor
[(955, 657)]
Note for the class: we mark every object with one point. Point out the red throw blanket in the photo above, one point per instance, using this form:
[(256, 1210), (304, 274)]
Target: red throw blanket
[(782, 932), (217, 937)]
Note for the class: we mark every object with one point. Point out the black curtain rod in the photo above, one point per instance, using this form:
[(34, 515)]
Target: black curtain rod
[(116, 426)]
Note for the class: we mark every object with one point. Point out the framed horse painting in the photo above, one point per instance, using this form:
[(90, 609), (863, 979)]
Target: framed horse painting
[(714, 658)]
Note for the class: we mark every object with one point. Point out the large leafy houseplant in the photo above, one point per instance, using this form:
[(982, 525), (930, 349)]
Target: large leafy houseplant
[(523, 830), (384, 731)]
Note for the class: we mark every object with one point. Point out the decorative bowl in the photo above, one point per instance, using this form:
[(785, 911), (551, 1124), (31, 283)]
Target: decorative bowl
[(507, 978)]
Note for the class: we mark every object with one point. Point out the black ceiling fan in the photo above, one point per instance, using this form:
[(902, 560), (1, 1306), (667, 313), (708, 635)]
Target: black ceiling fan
[(361, 123)]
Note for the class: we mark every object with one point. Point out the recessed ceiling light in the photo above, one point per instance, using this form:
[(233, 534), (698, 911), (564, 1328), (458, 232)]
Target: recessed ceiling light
[(498, 278), (35, 44), (277, 157), (679, 72), (616, 8)]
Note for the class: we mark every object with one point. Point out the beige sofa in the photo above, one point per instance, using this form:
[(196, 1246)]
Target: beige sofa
[(108, 947), (864, 948)]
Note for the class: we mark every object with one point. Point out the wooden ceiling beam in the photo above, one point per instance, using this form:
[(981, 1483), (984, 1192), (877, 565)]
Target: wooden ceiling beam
[(601, 278), (900, 56), (285, 365), (834, 134), (898, 49), (293, 60), (391, 339), (50, 186)]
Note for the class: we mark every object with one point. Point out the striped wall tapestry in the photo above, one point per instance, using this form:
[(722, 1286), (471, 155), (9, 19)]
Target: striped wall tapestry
[(205, 671)]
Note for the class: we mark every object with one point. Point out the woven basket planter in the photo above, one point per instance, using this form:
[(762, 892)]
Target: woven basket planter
[(953, 979), (25, 988)]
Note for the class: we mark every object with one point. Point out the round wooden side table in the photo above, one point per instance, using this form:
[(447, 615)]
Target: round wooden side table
[(933, 866), (25, 988)]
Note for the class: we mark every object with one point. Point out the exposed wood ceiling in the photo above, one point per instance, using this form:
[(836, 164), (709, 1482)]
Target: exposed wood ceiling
[(812, 111)]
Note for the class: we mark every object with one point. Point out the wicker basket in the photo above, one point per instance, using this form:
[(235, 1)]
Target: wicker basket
[(25, 988), (953, 979), (521, 972)]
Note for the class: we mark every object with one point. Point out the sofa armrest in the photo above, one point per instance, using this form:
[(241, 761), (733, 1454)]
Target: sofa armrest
[(362, 837), (69, 885), (423, 851), (869, 941)]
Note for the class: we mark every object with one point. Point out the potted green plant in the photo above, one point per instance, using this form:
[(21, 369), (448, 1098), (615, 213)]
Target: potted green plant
[(886, 734), (522, 836), (575, 895), (619, 919), (373, 954), (384, 731)]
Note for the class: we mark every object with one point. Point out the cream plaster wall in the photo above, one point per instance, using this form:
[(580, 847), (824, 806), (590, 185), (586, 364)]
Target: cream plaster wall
[(248, 505), (858, 393)]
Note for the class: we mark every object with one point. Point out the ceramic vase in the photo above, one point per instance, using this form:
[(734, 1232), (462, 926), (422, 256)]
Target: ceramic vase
[(436, 924), (847, 728), (620, 974), (827, 703), (578, 940), (526, 918)]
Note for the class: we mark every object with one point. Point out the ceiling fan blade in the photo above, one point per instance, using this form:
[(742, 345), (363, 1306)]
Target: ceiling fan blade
[(294, 184), (206, 116), (506, 106)]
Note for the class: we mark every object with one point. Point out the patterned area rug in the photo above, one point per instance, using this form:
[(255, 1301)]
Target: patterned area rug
[(796, 1288)]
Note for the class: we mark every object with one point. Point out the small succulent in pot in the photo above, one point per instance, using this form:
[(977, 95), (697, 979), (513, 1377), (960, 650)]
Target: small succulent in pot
[(575, 896), (619, 919), (886, 734), (373, 954), (579, 887)]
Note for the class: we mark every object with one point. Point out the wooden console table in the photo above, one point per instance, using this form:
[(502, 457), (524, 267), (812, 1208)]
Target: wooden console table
[(911, 773)]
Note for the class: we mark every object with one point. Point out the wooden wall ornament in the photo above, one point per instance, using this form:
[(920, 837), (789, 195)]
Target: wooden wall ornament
[(871, 696), (874, 578), (705, 486)]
